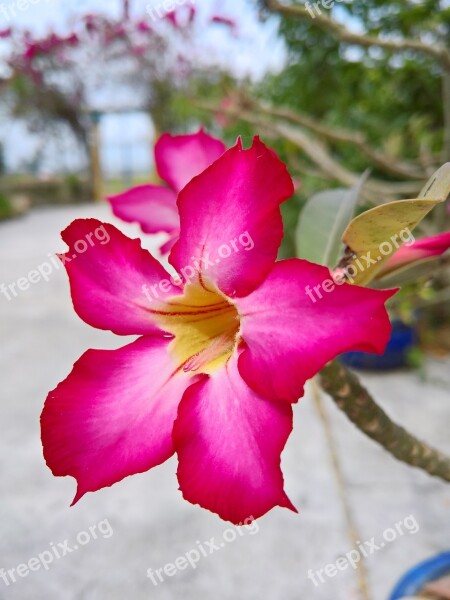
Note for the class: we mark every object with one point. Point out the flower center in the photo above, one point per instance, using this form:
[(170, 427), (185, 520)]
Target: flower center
[(205, 326)]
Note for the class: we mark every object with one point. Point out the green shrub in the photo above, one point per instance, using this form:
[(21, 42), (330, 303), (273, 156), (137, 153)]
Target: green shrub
[(6, 208)]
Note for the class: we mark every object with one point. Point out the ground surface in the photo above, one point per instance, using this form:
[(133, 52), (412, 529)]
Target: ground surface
[(41, 337)]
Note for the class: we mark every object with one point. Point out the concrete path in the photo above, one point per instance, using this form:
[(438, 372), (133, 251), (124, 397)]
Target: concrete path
[(143, 522)]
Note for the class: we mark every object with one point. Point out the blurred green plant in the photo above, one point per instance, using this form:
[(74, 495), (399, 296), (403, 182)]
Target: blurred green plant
[(2, 160), (322, 223), (366, 86), (6, 207), (377, 67)]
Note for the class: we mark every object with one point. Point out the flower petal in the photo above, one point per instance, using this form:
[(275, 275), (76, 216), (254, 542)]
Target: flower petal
[(113, 415), (169, 244), (107, 272), (230, 218), (224, 21), (180, 158), (154, 207), (291, 332), (425, 248), (229, 440)]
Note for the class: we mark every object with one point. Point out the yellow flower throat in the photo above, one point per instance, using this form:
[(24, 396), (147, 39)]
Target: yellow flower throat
[(205, 325)]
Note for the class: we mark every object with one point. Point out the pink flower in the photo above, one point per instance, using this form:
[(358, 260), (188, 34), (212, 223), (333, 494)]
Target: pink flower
[(6, 33), (91, 23), (172, 18), (46, 45), (139, 50), (227, 21), (423, 249), (120, 31), (31, 51), (180, 18), (192, 12), (178, 159), (72, 39), (144, 27), (223, 352)]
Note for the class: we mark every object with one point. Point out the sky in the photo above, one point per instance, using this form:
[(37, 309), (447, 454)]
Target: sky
[(127, 140)]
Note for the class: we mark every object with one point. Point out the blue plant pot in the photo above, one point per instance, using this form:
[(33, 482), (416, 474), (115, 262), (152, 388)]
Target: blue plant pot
[(403, 340), (430, 570)]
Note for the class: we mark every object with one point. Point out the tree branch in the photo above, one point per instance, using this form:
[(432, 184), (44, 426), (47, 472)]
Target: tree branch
[(436, 51), (353, 399), (388, 164), (318, 153)]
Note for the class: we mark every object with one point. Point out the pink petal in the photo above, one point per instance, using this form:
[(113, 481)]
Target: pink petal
[(180, 158), (192, 14), (234, 202), (113, 415), (167, 246), (154, 207), (426, 248), (172, 18), (107, 279), (144, 27), (229, 440), (221, 20), (290, 336)]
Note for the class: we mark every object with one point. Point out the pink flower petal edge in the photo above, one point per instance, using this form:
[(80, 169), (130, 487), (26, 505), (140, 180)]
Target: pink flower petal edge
[(425, 248), (180, 158), (228, 441), (154, 207), (231, 224), (107, 280), (290, 333), (113, 416)]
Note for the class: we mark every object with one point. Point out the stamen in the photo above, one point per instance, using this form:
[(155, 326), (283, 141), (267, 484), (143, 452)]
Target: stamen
[(204, 325), (219, 346)]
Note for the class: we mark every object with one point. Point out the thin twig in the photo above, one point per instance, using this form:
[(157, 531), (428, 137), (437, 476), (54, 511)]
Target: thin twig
[(318, 153), (389, 164), (339, 31)]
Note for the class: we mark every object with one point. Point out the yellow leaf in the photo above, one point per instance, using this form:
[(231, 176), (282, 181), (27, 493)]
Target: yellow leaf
[(373, 237)]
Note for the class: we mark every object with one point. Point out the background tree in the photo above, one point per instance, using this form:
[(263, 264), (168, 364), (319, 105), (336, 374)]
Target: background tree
[(366, 85)]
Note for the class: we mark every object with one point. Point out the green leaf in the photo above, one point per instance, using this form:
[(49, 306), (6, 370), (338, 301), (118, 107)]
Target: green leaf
[(379, 226), (322, 223)]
